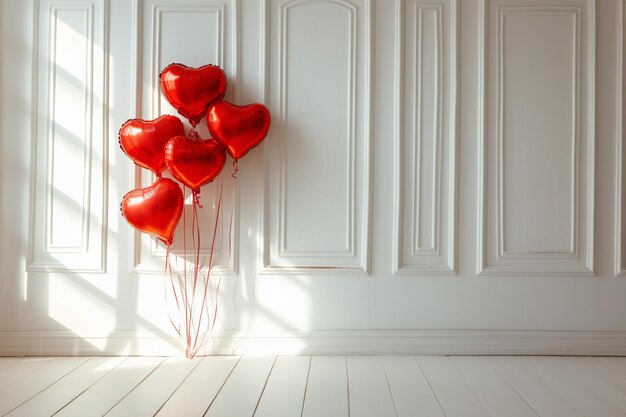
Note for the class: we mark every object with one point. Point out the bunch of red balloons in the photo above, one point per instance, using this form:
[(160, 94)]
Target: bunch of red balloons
[(161, 144)]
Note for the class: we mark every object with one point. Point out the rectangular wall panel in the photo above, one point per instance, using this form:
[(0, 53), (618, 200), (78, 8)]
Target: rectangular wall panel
[(194, 33), (318, 147), (68, 209), (426, 148), (539, 147)]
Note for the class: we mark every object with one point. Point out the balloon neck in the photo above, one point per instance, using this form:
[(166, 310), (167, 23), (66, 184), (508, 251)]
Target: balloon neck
[(235, 168), (196, 197), (193, 133)]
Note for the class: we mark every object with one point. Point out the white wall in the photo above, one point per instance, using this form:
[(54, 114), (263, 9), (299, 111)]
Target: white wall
[(441, 176)]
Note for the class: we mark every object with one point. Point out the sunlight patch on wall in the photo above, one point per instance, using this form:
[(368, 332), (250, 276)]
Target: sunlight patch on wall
[(283, 303), (80, 310), (151, 305)]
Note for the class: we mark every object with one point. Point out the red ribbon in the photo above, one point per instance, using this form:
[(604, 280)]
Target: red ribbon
[(194, 337)]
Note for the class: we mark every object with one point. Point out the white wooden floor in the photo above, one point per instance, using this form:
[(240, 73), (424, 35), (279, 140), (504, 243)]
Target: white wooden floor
[(318, 386)]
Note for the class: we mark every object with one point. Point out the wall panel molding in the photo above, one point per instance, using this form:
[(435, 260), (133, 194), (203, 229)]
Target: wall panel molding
[(619, 268), (426, 137), (571, 250), (214, 27), (69, 187), (348, 250), (563, 243), (321, 248)]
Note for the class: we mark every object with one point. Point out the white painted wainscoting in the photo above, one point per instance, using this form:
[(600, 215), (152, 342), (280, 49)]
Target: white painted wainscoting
[(440, 177)]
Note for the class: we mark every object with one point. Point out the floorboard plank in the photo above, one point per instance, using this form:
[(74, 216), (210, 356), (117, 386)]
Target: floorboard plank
[(67, 388), (612, 370), (585, 399), (109, 390), (6, 367), (603, 381), (541, 397), (197, 392), (327, 389), (241, 392), (302, 386), (455, 396), (495, 394), (410, 390), (284, 393), (8, 361), (35, 382), (368, 388), (13, 371), (148, 397)]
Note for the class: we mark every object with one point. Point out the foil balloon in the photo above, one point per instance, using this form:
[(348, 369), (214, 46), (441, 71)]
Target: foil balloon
[(155, 209), (192, 90), (238, 128), (194, 162), (144, 140)]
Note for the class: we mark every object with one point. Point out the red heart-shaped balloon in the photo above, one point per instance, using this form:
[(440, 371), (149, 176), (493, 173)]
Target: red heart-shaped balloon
[(238, 128), (192, 90), (144, 140), (194, 162), (155, 209)]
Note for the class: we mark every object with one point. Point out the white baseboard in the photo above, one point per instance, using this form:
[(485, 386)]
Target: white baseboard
[(420, 342)]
